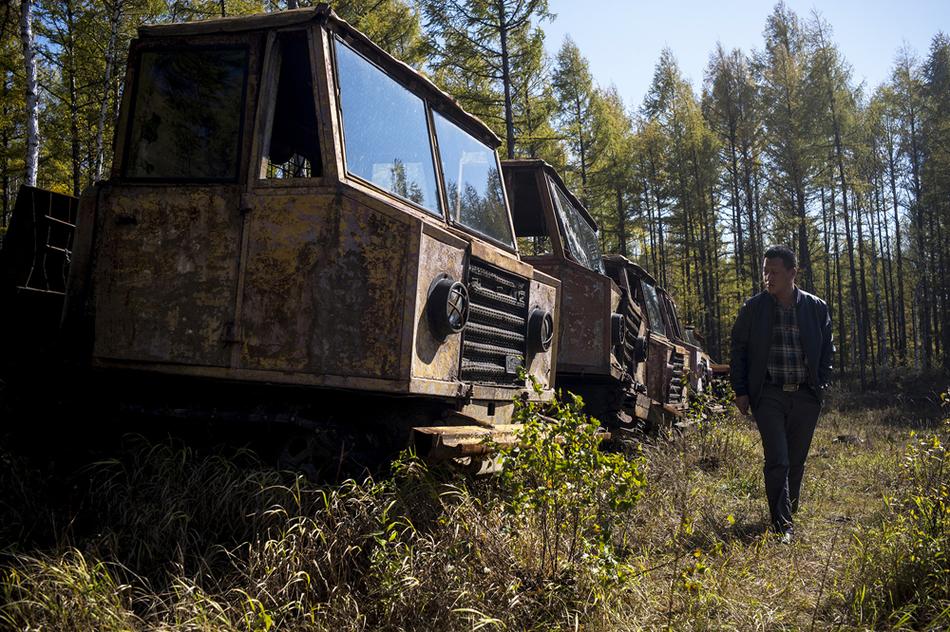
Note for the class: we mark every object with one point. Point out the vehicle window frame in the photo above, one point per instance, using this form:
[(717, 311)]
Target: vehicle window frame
[(674, 323), (510, 247), (659, 308), (336, 40), (556, 192), (267, 102), (171, 47)]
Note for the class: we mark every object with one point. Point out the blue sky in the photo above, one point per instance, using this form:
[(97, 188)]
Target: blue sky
[(622, 40)]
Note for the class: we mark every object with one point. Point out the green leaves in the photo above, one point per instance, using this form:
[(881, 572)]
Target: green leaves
[(560, 483)]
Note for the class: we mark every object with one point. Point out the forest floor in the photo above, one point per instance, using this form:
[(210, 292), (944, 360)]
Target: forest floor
[(164, 536)]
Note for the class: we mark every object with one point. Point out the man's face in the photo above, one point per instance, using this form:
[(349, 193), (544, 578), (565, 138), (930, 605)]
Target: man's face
[(777, 278)]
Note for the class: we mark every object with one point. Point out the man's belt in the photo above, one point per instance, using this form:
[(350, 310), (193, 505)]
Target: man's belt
[(790, 388)]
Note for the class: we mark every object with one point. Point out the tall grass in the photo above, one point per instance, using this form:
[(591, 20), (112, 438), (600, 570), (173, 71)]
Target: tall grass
[(671, 536)]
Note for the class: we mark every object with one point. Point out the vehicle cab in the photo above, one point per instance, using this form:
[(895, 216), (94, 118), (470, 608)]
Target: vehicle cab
[(291, 205), (666, 367), (600, 328)]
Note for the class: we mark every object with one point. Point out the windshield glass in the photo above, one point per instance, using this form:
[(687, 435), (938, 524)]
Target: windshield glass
[(186, 122), (581, 238), (385, 131), (472, 182), (674, 323), (653, 308)]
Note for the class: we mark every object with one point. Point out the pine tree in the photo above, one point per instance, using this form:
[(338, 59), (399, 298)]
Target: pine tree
[(479, 44)]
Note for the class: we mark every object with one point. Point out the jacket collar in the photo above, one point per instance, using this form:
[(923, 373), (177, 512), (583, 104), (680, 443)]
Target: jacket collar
[(796, 293)]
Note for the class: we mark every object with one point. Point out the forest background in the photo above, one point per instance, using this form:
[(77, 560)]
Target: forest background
[(778, 145)]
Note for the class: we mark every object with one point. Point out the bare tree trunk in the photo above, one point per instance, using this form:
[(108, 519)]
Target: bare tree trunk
[(754, 235), (69, 40), (884, 242), (842, 340), (826, 236), (506, 79), (32, 99), (917, 212), (901, 310), (5, 143), (114, 19), (621, 222)]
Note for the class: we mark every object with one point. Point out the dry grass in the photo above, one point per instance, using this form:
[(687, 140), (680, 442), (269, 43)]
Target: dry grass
[(162, 537)]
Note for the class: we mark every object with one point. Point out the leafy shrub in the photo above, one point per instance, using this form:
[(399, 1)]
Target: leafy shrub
[(561, 486)]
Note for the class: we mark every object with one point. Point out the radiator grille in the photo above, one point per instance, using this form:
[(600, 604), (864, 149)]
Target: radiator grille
[(677, 378), (493, 343), (626, 353)]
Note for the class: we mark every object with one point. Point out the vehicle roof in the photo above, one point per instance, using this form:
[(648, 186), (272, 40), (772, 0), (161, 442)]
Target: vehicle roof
[(620, 259), (322, 13), (537, 163)]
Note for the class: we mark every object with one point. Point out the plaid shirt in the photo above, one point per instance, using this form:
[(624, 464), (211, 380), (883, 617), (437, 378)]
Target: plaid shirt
[(786, 356)]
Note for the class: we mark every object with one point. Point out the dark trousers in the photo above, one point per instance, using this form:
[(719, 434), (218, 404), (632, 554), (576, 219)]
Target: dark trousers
[(786, 422)]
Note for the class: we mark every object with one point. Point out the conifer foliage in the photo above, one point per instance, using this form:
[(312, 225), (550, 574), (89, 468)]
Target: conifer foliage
[(776, 145)]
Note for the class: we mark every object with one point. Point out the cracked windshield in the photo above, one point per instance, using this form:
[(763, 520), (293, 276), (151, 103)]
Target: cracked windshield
[(581, 238)]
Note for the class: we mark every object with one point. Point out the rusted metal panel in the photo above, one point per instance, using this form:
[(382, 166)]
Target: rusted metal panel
[(325, 285), (434, 358), (165, 273), (587, 302), (441, 443), (544, 296)]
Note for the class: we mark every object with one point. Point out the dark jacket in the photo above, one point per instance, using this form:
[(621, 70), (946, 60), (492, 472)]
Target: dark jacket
[(752, 337)]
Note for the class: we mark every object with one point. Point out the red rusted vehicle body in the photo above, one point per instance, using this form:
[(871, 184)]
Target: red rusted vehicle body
[(601, 339)]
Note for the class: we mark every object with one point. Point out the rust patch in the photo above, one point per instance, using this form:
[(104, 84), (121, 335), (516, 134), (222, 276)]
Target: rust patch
[(164, 279), (324, 287), (433, 358)]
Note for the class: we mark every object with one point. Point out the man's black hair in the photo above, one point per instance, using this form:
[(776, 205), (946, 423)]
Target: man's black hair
[(784, 253)]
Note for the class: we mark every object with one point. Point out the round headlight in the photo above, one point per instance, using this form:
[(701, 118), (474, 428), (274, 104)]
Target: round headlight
[(540, 330), (447, 306), (618, 329)]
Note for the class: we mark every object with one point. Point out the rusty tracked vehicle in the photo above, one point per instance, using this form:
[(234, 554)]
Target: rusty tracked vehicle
[(290, 206), (621, 345), (674, 366), (602, 340)]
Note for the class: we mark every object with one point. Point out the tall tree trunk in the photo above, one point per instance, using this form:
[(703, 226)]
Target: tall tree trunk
[(506, 79), (917, 212), (887, 271), (621, 222), (842, 340), (32, 101), (69, 40), (755, 260), (5, 143), (901, 310), (115, 18), (736, 209), (581, 142)]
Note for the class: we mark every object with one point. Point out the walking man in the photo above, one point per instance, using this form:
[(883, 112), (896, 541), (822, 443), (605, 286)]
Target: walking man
[(781, 359)]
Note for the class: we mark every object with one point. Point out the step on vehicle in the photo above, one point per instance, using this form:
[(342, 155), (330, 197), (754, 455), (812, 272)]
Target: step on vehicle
[(300, 228), (601, 338)]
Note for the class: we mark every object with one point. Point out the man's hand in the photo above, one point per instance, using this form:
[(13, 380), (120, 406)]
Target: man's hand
[(742, 403)]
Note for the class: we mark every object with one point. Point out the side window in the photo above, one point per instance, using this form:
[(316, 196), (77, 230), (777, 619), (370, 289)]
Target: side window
[(524, 199), (386, 135), (187, 111), (293, 151), (653, 308), (580, 237)]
